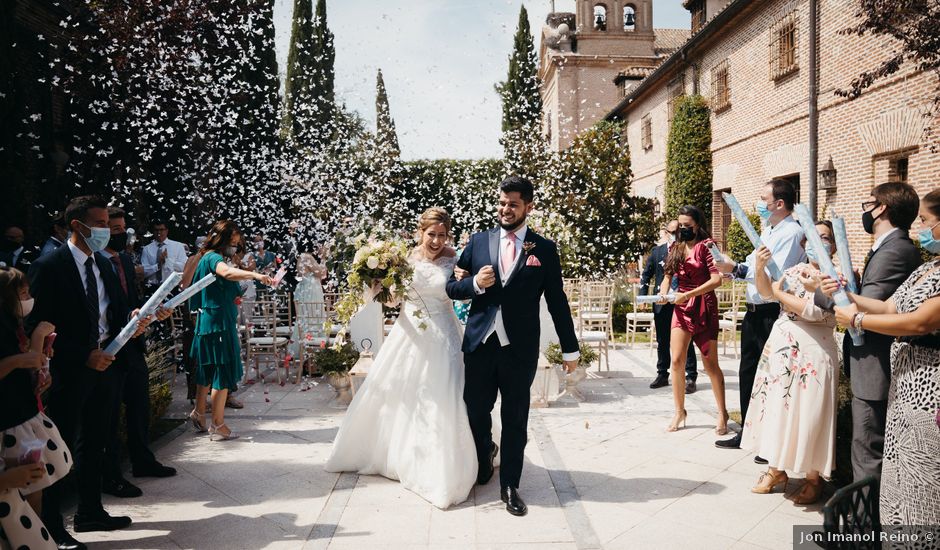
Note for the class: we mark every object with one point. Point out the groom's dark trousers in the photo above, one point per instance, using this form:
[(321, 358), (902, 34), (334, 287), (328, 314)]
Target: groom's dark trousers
[(491, 368)]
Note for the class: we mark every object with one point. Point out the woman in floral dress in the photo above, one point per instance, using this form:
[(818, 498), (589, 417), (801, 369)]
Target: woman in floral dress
[(910, 476), (791, 417)]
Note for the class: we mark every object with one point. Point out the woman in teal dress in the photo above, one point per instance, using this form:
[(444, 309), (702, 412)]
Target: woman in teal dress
[(215, 348)]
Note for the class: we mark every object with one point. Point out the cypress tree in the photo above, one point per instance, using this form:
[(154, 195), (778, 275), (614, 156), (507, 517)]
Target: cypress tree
[(689, 157), (386, 138), (298, 87), (522, 104), (324, 89)]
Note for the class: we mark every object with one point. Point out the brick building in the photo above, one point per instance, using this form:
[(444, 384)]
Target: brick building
[(590, 59), (750, 59)]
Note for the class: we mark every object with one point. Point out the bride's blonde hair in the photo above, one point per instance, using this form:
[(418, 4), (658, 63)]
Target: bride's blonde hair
[(433, 216)]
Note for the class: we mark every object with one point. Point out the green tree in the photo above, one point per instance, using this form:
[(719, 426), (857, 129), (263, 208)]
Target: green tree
[(607, 227), (325, 96), (389, 193), (524, 148), (309, 93), (689, 157), (522, 103), (298, 94)]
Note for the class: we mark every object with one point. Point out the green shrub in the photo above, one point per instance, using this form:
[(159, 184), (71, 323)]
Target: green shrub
[(337, 361), (554, 356), (689, 157), (738, 246)]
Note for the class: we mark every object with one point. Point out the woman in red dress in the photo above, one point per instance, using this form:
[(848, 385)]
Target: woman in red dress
[(696, 313)]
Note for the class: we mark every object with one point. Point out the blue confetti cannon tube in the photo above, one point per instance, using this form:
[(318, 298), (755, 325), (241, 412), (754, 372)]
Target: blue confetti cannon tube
[(654, 298), (751, 233), (825, 263), (145, 311), (845, 254)]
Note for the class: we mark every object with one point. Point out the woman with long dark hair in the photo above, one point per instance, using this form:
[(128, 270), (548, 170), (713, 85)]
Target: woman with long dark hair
[(695, 317), (215, 346)]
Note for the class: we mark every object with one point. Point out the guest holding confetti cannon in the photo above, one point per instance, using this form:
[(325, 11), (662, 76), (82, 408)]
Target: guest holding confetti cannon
[(784, 237), (887, 215), (910, 477), (215, 345), (695, 317), (791, 416)]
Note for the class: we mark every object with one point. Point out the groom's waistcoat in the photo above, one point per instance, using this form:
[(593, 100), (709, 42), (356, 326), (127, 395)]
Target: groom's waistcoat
[(518, 298)]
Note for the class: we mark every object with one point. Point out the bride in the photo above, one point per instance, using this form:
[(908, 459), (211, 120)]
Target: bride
[(408, 421)]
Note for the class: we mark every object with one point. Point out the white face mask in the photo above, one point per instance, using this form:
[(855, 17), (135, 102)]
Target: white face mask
[(26, 306)]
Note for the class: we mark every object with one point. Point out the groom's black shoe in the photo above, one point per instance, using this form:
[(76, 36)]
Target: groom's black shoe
[(514, 504), (485, 470)]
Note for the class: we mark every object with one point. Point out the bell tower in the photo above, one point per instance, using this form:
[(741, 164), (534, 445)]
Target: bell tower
[(623, 27), (590, 59)]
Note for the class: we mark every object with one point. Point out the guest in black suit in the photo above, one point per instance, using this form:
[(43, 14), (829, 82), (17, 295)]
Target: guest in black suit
[(76, 290), (132, 382), (662, 316), (13, 253), (887, 215)]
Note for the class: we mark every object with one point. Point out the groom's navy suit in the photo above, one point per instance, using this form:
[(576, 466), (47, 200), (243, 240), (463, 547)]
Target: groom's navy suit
[(508, 369)]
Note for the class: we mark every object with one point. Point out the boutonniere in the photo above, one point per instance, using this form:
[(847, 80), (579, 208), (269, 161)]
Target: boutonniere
[(528, 247)]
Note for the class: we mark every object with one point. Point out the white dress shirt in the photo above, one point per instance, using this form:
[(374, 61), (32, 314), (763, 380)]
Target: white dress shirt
[(175, 260), (103, 299), (880, 240), (498, 325)]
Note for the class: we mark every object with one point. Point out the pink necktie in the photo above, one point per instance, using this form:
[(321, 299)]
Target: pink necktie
[(509, 253)]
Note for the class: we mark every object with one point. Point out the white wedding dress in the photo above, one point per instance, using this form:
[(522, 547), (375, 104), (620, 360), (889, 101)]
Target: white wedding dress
[(408, 421)]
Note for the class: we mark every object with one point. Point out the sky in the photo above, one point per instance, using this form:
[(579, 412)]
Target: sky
[(440, 60)]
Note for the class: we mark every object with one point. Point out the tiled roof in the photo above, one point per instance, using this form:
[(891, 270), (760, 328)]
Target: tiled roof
[(670, 40)]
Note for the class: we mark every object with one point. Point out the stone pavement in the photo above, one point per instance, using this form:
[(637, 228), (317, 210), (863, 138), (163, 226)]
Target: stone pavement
[(602, 474)]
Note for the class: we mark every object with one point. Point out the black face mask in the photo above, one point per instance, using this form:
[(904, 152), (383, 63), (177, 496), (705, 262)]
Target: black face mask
[(118, 242), (685, 234), (868, 221)]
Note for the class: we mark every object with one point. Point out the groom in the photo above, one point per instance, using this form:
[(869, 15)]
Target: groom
[(511, 268)]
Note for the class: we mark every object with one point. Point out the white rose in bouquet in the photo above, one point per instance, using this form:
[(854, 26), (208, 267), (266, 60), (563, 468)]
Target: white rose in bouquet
[(372, 262)]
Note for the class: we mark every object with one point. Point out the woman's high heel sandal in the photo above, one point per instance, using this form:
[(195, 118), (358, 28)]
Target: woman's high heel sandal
[(768, 481), (198, 421), (722, 427), (680, 418), (809, 493), (214, 431)]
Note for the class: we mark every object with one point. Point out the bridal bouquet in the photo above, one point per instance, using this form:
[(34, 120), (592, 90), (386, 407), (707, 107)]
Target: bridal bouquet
[(381, 268)]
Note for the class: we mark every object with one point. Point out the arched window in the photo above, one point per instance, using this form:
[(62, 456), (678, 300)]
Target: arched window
[(600, 17), (629, 17)]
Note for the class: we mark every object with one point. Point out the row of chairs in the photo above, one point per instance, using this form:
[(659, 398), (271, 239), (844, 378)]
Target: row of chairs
[(273, 321)]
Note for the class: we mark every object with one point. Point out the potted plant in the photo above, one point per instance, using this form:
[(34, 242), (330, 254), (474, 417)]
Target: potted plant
[(335, 362), (571, 380)]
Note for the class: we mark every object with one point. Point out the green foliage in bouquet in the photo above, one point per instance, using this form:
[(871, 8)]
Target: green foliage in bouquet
[(337, 360), (381, 267), (554, 356), (738, 245)]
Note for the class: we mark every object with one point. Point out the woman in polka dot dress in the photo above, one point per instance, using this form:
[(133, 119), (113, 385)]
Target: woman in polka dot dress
[(27, 437)]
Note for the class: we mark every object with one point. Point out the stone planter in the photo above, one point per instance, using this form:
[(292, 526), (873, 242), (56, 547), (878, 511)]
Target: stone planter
[(342, 385), (570, 392)]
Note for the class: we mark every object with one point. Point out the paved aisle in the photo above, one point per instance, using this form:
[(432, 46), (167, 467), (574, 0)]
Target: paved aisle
[(600, 475)]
